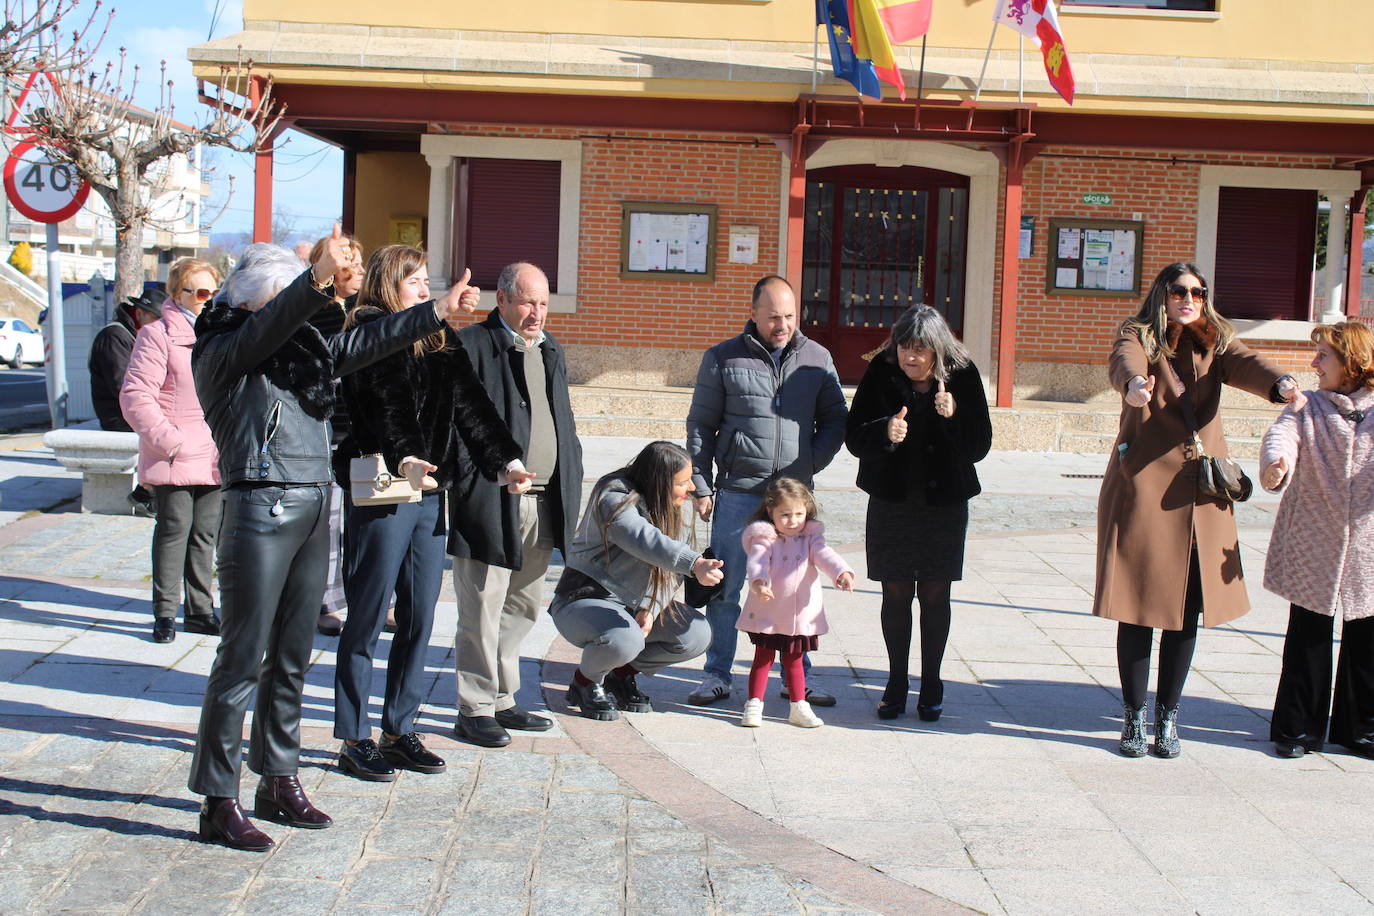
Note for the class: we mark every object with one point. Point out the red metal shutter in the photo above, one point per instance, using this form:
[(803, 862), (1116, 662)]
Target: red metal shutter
[(512, 215), (1266, 238)]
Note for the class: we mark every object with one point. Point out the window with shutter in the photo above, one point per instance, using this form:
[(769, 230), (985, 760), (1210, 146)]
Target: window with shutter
[(505, 210), (1266, 238)]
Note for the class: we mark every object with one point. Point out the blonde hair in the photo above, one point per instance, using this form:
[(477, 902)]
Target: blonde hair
[(1353, 344), (386, 270), (1151, 323), (183, 268), (779, 492)]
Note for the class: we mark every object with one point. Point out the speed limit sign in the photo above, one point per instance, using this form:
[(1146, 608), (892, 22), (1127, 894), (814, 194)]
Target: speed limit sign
[(41, 188)]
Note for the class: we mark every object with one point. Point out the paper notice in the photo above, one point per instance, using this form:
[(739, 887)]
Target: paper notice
[(1068, 244), (698, 226), (744, 244), (638, 254), (1066, 277)]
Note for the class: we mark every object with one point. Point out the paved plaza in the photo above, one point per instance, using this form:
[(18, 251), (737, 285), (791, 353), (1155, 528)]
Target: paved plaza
[(1014, 802)]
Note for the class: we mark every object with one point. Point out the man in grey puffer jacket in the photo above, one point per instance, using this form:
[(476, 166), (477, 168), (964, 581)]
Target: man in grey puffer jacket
[(767, 404)]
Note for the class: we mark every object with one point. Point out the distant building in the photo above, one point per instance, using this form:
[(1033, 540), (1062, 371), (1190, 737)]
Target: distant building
[(605, 139)]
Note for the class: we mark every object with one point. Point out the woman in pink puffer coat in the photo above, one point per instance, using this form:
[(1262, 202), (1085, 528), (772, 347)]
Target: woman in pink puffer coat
[(176, 456), (1321, 552)]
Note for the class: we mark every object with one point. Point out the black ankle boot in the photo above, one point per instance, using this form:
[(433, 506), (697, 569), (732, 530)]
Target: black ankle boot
[(893, 703)]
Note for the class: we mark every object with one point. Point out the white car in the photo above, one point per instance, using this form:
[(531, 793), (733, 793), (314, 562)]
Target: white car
[(19, 343)]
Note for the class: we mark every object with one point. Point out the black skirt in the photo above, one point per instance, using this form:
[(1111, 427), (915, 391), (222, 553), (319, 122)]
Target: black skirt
[(781, 642), (910, 540)]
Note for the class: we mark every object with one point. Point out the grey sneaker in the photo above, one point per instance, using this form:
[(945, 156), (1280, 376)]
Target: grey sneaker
[(711, 690)]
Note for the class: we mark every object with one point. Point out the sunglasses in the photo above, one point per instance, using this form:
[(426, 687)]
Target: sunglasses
[(200, 294), (1179, 291)]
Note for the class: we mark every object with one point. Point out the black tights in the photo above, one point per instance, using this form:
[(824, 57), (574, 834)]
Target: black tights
[(1133, 644), (896, 620)]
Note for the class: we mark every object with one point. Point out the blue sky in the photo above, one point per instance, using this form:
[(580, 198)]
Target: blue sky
[(308, 174)]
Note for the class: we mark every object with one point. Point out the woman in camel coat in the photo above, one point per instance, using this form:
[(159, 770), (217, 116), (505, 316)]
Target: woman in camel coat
[(1166, 555), (1321, 554)]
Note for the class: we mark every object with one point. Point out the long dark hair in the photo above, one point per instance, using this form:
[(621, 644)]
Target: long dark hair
[(1151, 323), (649, 477), (386, 270)]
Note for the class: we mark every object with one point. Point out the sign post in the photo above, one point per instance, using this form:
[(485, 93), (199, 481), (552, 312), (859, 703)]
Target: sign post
[(48, 191)]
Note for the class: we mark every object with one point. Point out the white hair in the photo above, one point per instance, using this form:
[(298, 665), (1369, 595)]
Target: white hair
[(262, 272)]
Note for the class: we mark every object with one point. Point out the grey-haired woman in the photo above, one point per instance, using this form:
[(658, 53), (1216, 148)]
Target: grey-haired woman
[(918, 424), (266, 377)]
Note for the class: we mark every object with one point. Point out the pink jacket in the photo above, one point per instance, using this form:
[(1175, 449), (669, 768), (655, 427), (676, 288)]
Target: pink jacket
[(790, 564), (1321, 552), (159, 401)]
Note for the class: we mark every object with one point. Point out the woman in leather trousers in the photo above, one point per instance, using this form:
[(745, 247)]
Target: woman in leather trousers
[(265, 377)]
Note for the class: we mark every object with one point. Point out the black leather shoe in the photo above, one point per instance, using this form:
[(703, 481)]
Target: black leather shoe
[(929, 713), (408, 753), (814, 697), (520, 720), (483, 731), (205, 624), (223, 821), (281, 799), (365, 761), (1290, 749), (626, 694), (593, 701), (164, 629), (329, 624), (1362, 746)]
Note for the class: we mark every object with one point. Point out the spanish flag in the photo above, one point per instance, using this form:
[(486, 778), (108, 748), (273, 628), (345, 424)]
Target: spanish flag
[(904, 19), (871, 39)]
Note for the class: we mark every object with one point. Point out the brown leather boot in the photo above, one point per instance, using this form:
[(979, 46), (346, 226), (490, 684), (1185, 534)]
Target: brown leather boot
[(281, 799), (223, 821)]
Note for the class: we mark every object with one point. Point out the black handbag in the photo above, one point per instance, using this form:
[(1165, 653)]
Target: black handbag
[(1217, 478), (696, 595)]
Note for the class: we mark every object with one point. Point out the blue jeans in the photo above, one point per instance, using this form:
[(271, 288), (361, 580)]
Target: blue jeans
[(729, 515)]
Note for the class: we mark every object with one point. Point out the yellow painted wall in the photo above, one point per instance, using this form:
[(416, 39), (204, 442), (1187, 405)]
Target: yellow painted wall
[(1329, 30), (389, 185)]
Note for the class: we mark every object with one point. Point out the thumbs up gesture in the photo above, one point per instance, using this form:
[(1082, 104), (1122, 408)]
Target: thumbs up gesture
[(461, 299), (896, 427), (1140, 390), (944, 401), (337, 254)]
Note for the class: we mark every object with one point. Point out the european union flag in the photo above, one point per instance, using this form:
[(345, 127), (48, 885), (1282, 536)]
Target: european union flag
[(834, 15)]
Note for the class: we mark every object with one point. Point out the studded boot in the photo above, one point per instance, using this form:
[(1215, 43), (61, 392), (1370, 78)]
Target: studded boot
[(1166, 732), (1133, 743)]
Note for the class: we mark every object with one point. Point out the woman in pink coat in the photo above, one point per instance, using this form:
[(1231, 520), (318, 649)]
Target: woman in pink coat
[(1321, 552), (176, 456), (785, 552)]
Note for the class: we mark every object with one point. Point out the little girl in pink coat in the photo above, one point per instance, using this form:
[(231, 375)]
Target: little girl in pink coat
[(785, 552)]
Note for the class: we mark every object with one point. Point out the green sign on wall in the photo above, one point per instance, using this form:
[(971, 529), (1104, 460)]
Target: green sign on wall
[(1097, 198)]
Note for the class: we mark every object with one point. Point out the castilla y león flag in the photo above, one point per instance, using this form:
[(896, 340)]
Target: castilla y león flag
[(1037, 20)]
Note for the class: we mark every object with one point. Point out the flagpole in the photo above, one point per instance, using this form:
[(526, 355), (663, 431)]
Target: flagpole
[(921, 80), (1020, 67), (815, 55), (982, 73)]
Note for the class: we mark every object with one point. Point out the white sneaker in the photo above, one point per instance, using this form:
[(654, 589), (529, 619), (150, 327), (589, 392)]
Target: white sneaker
[(803, 716), (711, 690), (753, 713)]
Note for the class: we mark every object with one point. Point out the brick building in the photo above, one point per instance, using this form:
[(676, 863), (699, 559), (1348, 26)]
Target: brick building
[(658, 156)]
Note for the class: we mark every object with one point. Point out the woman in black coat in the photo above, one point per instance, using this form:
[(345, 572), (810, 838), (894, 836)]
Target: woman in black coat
[(918, 424), (412, 408)]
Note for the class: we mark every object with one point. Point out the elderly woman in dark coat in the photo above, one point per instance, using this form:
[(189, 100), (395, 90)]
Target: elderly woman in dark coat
[(1168, 556), (918, 424), (265, 377)]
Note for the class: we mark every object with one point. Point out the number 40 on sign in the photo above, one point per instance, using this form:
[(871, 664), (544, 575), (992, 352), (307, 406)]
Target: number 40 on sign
[(42, 188)]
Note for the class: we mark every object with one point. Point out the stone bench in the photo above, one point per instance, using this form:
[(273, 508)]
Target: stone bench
[(106, 461)]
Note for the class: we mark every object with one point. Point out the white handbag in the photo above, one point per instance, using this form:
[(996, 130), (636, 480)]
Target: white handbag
[(371, 484)]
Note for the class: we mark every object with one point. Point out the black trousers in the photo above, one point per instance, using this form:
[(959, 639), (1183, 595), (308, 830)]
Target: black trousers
[(389, 549), (184, 548), (1304, 694), (273, 554)]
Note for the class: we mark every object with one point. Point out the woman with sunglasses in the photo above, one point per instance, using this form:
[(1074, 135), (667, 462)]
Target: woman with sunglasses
[(176, 456), (1167, 556)]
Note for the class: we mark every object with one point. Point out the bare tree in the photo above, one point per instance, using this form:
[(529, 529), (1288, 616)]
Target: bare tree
[(31, 37), (90, 121)]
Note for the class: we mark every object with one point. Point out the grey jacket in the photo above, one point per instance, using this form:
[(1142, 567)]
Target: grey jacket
[(631, 548), (758, 421)]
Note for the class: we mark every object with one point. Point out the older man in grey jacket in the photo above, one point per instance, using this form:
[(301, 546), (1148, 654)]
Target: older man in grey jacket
[(767, 404)]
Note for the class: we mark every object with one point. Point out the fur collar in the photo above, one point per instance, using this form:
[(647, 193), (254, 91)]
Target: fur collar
[(302, 365), (1202, 332)]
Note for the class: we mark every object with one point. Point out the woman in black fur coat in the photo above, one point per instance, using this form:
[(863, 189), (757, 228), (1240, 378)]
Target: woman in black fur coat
[(416, 408)]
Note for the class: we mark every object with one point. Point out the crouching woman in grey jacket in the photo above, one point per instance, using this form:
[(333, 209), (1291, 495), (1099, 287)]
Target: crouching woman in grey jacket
[(615, 599)]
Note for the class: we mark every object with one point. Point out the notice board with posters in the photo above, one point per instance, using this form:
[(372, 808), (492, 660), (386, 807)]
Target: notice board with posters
[(667, 241), (1098, 257)]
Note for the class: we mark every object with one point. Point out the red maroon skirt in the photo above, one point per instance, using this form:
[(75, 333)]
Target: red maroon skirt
[(781, 642)]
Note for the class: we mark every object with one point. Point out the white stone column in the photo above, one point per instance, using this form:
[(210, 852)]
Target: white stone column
[(440, 236), (1335, 257)]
